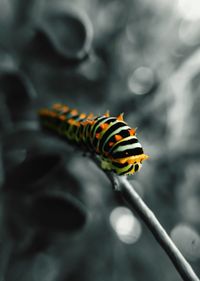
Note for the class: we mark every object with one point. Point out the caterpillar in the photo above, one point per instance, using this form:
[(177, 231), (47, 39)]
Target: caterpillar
[(110, 138)]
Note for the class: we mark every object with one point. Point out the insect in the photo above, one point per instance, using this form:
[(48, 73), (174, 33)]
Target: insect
[(110, 138)]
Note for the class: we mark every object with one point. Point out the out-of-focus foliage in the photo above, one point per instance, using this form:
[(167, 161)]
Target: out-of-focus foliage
[(59, 218)]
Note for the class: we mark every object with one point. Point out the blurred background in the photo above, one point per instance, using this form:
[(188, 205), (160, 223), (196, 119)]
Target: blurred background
[(59, 217)]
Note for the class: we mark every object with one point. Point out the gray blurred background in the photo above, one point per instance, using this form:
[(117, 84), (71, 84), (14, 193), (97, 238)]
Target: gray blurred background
[(59, 217)]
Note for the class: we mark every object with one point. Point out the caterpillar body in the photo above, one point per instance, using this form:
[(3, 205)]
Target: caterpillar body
[(110, 137)]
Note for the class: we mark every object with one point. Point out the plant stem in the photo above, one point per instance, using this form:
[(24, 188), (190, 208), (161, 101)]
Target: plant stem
[(131, 196), (122, 185)]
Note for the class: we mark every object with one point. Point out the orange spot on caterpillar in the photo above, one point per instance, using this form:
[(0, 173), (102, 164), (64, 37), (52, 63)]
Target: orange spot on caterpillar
[(107, 114), (60, 107), (86, 122), (82, 115), (97, 136), (64, 108), (91, 122), (132, 132), (118, 137), (78, 124), (91, 115), (104, 126), (120, 117), (71, 121), (111, 143), (74, 112)]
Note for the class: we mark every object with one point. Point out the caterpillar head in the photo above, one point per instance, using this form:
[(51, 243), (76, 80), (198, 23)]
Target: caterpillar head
[(126, 168)]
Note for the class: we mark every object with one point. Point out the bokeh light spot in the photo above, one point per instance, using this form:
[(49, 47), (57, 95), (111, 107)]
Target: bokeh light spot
[(187, 240), (141, 80), (126, 225), (189, 9)]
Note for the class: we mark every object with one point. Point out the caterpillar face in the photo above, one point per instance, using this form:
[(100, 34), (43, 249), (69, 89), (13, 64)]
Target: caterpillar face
[(110, 137), (126, 168)]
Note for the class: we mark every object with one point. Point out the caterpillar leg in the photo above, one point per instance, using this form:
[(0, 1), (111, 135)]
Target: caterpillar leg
[(106, 164)]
